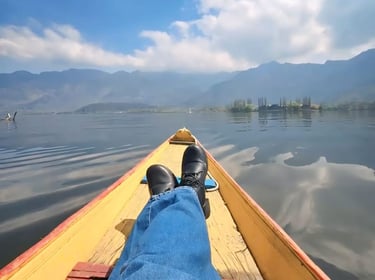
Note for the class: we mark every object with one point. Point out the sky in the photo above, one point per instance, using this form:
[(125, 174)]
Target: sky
[(180, 35)]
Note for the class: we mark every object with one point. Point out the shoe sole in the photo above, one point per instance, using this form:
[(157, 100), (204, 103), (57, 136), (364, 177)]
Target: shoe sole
[(206, 208)]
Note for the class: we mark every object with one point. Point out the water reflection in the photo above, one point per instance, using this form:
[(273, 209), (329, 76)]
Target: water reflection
[(285, 118), (58, 179), (11, 125), (243, 119), (318, 204)]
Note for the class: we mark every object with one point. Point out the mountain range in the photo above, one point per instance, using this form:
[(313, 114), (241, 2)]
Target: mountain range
[(331, 82)]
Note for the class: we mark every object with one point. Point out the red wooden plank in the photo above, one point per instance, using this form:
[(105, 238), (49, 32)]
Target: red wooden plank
[(84, 266), (88, 274), (86, 270)]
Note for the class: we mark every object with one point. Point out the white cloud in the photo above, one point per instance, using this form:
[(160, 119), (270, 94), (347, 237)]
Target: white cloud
[(260, 31), (187, 53), (57, 43), (227, 35)]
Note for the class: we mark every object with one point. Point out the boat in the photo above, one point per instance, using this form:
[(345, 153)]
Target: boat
[(246, 243), (10, 118)]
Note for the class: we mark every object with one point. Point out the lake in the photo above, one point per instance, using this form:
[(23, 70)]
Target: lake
[(313, 172)]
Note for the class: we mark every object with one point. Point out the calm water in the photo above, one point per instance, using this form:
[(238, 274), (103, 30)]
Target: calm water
[(312, 172)]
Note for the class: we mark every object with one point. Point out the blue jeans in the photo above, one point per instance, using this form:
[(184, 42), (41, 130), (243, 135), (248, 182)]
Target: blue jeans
[(169, 240)]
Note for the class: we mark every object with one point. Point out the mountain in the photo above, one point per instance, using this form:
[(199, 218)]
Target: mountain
[(333, 81), (71, 89), (50, 90), (113, 107)]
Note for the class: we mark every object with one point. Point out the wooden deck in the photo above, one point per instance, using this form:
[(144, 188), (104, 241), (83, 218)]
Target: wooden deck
[(230, 255)]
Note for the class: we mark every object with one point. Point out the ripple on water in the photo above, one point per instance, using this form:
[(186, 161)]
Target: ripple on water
[(40, 183)]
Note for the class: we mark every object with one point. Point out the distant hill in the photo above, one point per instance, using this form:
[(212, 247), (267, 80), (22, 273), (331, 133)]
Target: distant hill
[(113, 107), (71, 89), (333, 81)]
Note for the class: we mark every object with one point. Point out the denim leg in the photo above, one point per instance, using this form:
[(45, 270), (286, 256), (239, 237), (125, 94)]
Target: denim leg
[(168, 241)]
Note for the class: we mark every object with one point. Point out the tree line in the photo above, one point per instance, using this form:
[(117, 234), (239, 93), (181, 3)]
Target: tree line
[(246, 105)]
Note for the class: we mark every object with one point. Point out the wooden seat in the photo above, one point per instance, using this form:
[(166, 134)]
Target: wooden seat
[(86, 270)]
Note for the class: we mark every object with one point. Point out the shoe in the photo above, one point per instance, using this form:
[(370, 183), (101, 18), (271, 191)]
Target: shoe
[(193, 173), (160, 179)]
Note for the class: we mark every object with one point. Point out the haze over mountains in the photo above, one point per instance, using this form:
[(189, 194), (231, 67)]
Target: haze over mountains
[(331, 82)]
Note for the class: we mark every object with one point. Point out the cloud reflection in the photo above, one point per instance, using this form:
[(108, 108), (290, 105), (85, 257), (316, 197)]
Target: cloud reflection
[(322, 205), (37, 184)]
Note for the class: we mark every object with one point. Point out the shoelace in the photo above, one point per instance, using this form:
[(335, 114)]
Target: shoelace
[(191, 179)]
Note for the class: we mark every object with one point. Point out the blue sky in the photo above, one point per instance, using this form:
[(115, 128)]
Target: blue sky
[(180, 35), (115, 26)]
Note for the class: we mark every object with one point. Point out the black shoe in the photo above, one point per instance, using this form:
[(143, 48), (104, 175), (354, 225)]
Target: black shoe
[(194, 172), (160, 179)]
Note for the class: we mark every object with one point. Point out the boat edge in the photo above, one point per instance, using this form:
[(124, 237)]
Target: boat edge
[(17, 263)]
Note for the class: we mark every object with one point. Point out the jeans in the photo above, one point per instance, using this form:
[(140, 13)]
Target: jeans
[(169, 240)]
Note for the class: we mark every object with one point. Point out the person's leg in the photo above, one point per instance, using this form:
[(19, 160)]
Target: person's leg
[(169, 240)]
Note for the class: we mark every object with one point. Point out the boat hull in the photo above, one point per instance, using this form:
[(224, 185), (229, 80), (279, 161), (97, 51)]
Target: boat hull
[(246, 243)]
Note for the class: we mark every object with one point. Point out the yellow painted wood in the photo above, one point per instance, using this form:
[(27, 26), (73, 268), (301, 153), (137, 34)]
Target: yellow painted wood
[(110, 246), (230, 255)]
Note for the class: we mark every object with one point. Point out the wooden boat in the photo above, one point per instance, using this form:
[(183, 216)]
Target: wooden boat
[(9, 118), (245, 242)]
